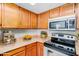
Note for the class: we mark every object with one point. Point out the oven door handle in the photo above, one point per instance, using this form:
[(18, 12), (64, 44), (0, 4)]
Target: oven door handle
[(50, 51)]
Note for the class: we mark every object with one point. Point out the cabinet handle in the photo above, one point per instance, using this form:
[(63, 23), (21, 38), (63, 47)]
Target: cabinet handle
[(50, 51)]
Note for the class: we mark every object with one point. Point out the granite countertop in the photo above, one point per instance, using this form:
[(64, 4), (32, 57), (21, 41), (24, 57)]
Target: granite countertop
[(19, 43)]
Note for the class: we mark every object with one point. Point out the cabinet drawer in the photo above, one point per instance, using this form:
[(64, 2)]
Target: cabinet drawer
[(10, 53), (22, 53)]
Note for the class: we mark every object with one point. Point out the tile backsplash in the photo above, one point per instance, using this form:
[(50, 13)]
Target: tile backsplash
[(21, 32)]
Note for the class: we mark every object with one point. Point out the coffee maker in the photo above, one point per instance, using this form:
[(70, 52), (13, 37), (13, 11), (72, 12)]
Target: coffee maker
[(8, 37)]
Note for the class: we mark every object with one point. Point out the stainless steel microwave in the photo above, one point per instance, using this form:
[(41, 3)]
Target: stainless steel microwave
[(62, 23)]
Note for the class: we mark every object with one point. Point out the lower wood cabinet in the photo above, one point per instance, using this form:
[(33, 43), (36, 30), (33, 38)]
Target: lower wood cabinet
[(17, 52), (22, 53), (31, 51), (40, 49), (34, 49)]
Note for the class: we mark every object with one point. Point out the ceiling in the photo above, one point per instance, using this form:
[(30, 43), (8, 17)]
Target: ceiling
[(39, 7)]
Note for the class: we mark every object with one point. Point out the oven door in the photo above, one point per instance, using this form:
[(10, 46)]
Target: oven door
[(58, 25), (52, 52)]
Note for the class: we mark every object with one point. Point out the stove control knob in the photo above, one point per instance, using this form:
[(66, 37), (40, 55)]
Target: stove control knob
[(68, 37), (71, 49), (68, 49), (71, 36)]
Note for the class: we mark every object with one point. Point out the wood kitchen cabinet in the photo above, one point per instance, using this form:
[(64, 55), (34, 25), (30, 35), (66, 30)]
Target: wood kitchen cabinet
[(0, 14), (77, 14), (33, 20), (67, 9), (17, 52), (24, 18), (10, 15), (31, 49), (43, 20), (35, 49), (40, 49), (22, 53), (55, 12)]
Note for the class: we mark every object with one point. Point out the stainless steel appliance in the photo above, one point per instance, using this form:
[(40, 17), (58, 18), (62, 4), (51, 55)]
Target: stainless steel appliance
[(62, 23), (60, 45), (8, 37)]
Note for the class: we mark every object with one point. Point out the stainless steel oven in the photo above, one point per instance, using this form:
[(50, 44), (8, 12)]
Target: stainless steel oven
[(52, 52), (60, 45), (62, 23)]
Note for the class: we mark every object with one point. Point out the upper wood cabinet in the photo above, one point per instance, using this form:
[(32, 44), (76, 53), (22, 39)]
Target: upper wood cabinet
[(33, 21), (0, 14), (54, 12), (43, 20), (67, 9), (77, 14), (10, 15), (24, 16)]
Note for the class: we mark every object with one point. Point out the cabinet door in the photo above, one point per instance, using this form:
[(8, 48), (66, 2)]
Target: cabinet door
[(43, 20), (0, 14), (31, 51), (33, 21), (22, 53), (67, 9), (10, 15), (77, 14), (54, 13), (40, 49), (24, 18)]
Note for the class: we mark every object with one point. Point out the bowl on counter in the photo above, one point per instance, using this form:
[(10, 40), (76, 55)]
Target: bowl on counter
[(27, 37)]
